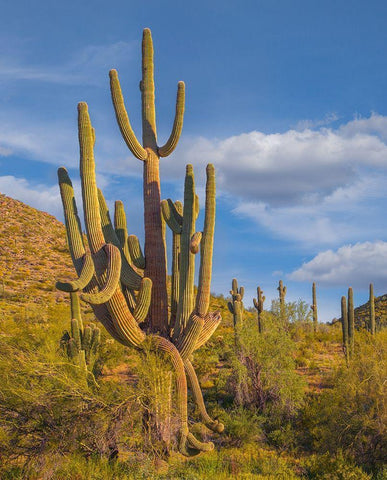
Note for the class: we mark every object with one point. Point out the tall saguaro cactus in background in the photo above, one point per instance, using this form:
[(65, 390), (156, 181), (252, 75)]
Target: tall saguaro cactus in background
[(314, 307), (281, 292), (351, 322), (372, 325), (348, 324), (126, 289), (344, 325), (258, 304), (236, 304)]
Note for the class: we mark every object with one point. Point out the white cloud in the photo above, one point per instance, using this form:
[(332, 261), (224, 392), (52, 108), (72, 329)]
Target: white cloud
[(351, 265), (41, 197), (89, 66), (285, 168), (327, 120), (350, 212)]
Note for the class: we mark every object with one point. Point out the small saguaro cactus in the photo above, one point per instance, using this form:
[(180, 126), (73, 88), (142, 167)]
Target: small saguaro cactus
[(351, 322), (236, 304), (127, 289), (282, 292), (372, 325), (344, 325), (258, 304), (314, 307), (81, 343)]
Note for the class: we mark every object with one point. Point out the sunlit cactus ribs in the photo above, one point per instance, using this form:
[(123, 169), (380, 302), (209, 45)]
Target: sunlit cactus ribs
[(258, 304), (128, 289), (236, 304)]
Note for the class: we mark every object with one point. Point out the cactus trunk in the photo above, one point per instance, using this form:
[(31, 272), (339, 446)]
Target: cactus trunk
[(372, 326)]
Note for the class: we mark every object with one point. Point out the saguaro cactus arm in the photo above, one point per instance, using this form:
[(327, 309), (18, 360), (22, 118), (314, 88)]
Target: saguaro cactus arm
[(171, 143), (85, 277), (123, 119)]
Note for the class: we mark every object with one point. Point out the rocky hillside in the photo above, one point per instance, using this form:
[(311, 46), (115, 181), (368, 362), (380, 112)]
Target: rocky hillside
[(362, 315), (33, 256)]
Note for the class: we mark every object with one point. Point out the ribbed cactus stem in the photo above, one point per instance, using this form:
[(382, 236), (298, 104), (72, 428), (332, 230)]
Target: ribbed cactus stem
[(236, 304), (372, 310), (282, 292), (351, 322), (207, 245), (75, 307), (175, 284), (344, 325), (121, 228), (314, 307), (187, 258)]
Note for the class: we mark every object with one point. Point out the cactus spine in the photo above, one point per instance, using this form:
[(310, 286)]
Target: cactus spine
[(258, 304), (236, 304), (314, 307), (372, 325), (126, 289)]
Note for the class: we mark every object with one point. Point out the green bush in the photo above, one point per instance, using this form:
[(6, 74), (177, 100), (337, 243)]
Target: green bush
[(351, 415)]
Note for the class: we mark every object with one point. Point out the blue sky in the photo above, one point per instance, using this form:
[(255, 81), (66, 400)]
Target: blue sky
[(286, 98)]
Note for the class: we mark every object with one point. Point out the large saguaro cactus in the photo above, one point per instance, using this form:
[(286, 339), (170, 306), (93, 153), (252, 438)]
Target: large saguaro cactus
[(126, 289)]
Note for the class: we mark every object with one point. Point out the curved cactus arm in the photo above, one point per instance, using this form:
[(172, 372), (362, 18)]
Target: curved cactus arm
[(211, 323), (129, 277), (135, 252), (256, 304), (195, 242), (231, 307), (84, 279), (187, 441), (173, 139), (72, 222), (113, 272), (77, 248), (207, 244), (214, 425), (171, 217), (122, 118), (143, 300), (190, 335)]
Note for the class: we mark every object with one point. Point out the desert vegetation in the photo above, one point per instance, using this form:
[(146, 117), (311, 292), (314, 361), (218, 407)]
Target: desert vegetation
[(128, 372)]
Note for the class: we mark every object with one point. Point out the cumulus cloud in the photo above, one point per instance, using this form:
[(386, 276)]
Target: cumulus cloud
[(351, 265), (286, 168), (41, 197), (350, 212)]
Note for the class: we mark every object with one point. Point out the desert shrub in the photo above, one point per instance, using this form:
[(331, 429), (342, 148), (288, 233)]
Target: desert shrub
[(263, 378), (351, 415), (47, 409), (333, 467)]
